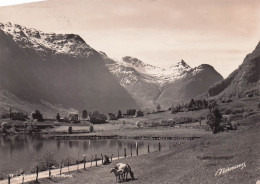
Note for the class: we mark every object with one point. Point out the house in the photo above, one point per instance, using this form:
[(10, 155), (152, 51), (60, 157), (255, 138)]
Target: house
[(73, 117)]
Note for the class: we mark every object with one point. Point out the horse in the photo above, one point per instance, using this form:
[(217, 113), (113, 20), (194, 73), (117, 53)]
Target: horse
[(117, 173), (126, 168)]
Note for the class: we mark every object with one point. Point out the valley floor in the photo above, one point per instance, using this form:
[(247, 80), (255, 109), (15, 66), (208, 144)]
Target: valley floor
[(196, 162)]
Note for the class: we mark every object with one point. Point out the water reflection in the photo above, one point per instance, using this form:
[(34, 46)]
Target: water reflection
[(18, 151)]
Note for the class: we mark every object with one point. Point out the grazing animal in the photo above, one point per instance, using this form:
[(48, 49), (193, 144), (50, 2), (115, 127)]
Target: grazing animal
[(126, 168), (117, 173)]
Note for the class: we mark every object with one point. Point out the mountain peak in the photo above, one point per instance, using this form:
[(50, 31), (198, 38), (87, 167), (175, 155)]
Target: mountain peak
[(181, 64), (133, 61)]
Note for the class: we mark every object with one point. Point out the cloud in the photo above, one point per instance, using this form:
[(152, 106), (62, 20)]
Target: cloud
[(16, 2)]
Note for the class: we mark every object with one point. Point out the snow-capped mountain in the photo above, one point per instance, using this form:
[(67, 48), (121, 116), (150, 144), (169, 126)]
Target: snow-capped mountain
[(55, 71), (152, 74), (150, 85), (46, 43)]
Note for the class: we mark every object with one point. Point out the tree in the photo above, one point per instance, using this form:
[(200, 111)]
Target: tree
[(192, 104), (84, 114), (37, 115), (158, 107), (10, 112), (97, 117), (119, 114), (58, 117), (139, 113), (214, 118)]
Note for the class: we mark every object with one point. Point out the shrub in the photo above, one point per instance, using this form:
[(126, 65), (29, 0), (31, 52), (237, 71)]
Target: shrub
[(112, 116), (4, 125), (5, 116), (70, 130), (234, 125), (158, 107), (227, 111), (137, 124), (44, 162), (91, 128), (18, 116)]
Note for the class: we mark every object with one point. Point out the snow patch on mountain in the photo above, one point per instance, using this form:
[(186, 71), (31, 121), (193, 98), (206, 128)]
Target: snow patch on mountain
[(130, 69)]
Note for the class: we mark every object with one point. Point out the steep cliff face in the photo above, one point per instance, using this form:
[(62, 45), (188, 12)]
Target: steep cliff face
[(61, 70), (242, 81)]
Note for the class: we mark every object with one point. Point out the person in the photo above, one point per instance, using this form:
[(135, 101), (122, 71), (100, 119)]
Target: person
[(107, 161)]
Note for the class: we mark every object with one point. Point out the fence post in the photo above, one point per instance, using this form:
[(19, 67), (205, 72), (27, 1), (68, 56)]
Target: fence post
[(148, 148), (23, 179), (37, 172), (131, 151), (118, 153), (111, 157), (49, 171), (159, 146), (84, 162), (102, 159), (9, 179), (137, 149), (125, 152), (96, 159), (60, 168)]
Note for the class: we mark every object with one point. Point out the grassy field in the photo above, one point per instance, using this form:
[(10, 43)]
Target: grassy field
[(196, 162)]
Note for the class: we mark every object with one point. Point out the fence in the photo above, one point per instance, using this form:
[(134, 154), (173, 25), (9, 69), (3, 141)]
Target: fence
[(54, 172)]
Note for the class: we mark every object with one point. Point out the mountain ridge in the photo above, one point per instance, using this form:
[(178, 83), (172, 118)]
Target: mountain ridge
[(149, 85), (58, 70)]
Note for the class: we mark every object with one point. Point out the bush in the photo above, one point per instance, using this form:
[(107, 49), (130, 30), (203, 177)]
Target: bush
[(44, 162), (227, 111), (234, 125), (91, 128), (137, 124), (5, 116), (112, 116), (70, 130)]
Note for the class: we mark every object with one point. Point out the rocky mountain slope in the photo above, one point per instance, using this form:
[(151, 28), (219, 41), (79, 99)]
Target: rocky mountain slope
[(150, 85), (243, 81), (55, 71)]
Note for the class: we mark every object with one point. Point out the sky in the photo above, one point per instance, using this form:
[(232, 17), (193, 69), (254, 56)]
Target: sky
[(159, 32)]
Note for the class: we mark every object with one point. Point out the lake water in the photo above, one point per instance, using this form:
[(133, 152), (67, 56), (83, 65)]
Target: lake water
[(18, 152)]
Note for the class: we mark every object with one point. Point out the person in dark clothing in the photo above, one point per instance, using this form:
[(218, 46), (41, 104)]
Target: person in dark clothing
[(106, 161)]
